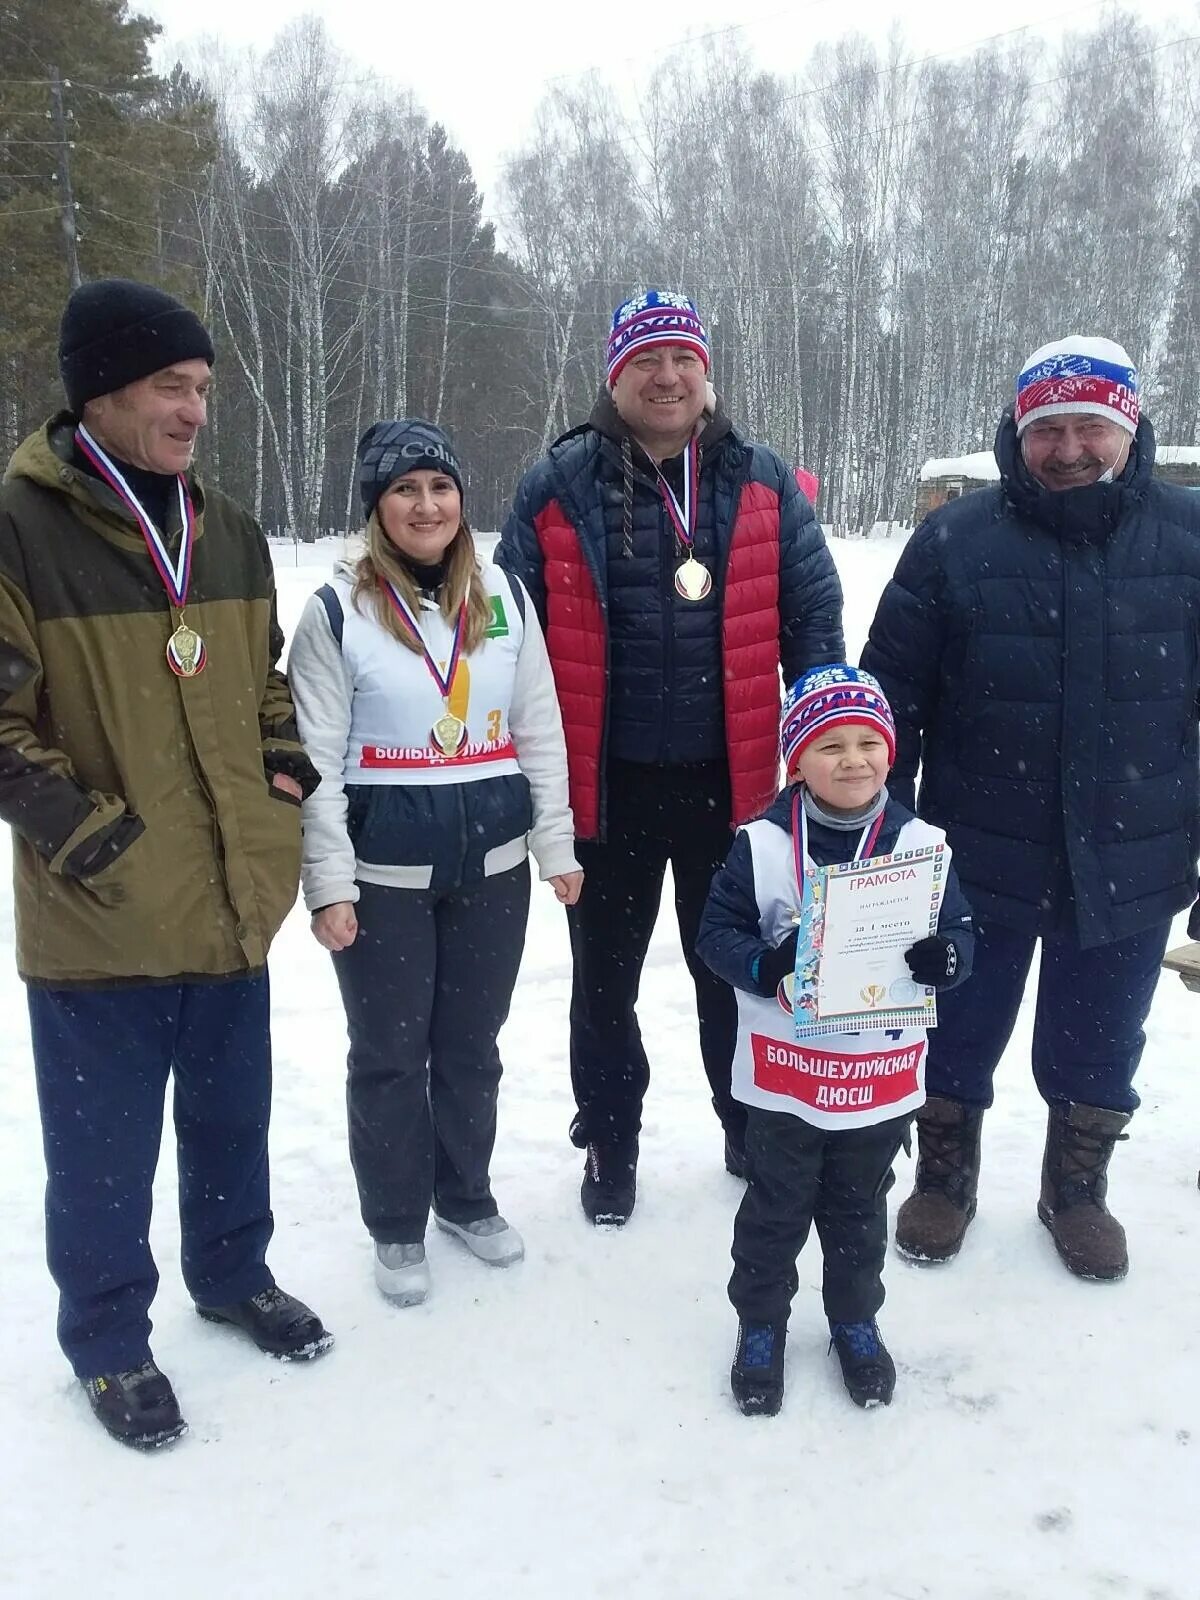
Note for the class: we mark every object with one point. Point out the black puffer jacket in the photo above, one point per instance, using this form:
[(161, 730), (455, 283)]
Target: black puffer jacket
[(1040, 654)]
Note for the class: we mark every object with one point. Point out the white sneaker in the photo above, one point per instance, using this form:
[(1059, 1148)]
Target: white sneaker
[(491, 1239), (402, 1273)]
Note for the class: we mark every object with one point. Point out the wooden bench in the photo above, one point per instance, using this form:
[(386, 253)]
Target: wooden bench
[(1186, 962)]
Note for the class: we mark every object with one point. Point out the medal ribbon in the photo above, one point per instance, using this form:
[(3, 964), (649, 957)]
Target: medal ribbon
[(683, 517), (175, 576), (862, 852), (444, 682)]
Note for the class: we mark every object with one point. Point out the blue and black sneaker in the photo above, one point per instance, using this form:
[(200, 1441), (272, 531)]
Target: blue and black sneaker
[(756, 1376), (868, 1371)]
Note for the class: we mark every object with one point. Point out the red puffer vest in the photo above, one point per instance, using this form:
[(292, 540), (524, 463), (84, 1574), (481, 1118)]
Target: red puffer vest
[(577, 642)]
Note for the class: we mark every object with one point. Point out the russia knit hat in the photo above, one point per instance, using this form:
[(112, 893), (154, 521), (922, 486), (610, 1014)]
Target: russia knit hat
[(390, 449), (115, 331), (1076, 374), (831, 697), (656, 317)]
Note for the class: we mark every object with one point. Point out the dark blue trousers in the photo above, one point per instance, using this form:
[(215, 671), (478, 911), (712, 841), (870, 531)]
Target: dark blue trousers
[(102, 1059), (1087, 1029)]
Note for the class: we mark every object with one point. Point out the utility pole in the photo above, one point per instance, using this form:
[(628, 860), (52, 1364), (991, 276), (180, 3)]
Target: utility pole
[(59, 117)]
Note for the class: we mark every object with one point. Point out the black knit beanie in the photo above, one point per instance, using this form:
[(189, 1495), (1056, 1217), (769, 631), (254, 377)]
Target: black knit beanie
[(115, 331), (389, 449)]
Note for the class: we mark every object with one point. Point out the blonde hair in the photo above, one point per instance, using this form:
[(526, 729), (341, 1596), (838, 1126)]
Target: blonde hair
[(380, 563)]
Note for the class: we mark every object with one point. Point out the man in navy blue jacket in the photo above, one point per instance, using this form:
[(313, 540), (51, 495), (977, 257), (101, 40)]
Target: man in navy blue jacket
[(1038, 644), (675, 568)]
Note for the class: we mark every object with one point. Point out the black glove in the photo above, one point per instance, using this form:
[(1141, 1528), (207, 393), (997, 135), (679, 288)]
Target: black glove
[(933, 961), (1193, 927), (101, 850), (775, 964)]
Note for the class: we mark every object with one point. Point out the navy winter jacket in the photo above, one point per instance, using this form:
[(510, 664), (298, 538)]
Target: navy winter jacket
[(729, 941), (1040, 654), (650, 681)]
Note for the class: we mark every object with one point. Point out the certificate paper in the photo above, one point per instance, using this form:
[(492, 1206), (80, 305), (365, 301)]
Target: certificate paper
[(854, 977)]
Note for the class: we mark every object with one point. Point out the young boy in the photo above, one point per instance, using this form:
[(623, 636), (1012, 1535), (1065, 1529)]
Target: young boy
[(807, 1160)]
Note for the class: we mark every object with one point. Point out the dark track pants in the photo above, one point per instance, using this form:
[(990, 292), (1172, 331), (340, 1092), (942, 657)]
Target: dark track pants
[(102, 1059), (427, 986), (797, 1175), (655, 815), (1087, 1030)]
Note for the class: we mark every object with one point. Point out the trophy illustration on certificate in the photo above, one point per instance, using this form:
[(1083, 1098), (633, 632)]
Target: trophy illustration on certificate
[(851, 975)]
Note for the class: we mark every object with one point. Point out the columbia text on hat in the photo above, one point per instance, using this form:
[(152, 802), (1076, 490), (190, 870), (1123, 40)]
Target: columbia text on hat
[(830, 697), (390, 449), (654, 318), (1079, 375)]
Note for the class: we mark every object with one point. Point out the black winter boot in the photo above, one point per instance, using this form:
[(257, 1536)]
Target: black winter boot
[(1079, 1143), (610, 1182), (756, 1376), (137, 1407), (279, 1324), (933, 1221), (868, 1371)]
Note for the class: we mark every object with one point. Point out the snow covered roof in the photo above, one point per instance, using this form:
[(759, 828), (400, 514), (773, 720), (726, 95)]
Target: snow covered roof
[(1178, 455), (981, 466)]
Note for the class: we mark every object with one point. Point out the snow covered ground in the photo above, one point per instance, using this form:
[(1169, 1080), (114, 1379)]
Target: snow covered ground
[(566, 1428)]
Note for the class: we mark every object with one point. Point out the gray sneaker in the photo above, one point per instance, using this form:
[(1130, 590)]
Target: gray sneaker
[(402, 1273), (491, 1239)]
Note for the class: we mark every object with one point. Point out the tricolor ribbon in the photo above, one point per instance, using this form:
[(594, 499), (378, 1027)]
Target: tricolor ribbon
[(177, 575), (400, 606), (866, 843), (683, 517)]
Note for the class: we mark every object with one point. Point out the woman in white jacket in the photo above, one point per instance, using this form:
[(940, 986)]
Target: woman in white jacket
[(425, 699)]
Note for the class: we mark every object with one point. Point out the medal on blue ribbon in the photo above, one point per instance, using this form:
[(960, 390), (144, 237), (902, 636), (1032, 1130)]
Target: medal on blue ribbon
[(449, 732), (692, 578), (186, 652)]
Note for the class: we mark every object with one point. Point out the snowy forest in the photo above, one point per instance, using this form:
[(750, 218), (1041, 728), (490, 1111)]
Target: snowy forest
[(875, 244)]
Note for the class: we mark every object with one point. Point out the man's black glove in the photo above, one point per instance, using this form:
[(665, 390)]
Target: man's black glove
[(933, 961), (775, 965), (1193, 928)]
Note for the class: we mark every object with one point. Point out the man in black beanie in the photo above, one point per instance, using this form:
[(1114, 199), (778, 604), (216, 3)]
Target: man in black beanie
[(152, 774)]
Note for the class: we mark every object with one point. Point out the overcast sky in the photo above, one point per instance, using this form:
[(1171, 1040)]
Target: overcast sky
[(480, 68)]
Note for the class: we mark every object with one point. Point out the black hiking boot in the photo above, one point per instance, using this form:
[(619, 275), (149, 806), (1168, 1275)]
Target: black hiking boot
[(609, 1188), (279, 1324), (868, 1371), (933, 1221), (137, 1407), (756, 1376)]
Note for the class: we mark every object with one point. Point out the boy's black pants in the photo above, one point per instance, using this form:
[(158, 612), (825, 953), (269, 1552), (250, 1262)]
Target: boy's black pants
[(797, 1175)]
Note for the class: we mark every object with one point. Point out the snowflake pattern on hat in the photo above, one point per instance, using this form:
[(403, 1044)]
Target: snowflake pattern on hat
[(829, 697), (653, 318)]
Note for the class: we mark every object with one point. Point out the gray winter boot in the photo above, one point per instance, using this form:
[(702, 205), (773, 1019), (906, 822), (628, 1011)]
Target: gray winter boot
[(1079, 1142), (933, 1221)]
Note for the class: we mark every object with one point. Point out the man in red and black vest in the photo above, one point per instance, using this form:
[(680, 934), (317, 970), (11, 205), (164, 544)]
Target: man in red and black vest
[(675, 569)]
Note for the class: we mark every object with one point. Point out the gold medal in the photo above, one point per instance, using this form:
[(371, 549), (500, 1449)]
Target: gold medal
[(186, 655), (449, 734), (693, 580)]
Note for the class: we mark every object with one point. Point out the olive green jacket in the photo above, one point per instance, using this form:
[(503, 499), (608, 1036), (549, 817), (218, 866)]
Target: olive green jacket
[(149, 844)]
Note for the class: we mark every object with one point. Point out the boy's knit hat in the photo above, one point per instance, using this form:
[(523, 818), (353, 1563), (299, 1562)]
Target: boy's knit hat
[(829, 697)]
